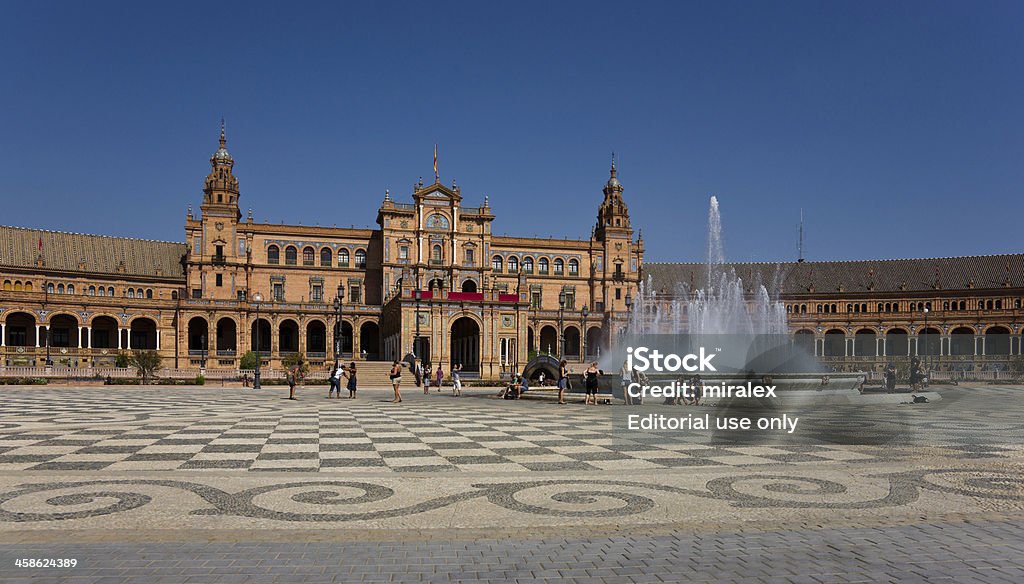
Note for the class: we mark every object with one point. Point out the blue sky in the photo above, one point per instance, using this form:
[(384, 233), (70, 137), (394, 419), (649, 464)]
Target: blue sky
[(896, 127)]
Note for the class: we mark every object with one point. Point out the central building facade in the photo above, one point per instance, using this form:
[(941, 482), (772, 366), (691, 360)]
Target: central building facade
[(432, 281)]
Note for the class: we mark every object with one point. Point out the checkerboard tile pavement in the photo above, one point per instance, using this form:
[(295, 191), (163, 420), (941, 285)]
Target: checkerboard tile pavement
[(425, 436)]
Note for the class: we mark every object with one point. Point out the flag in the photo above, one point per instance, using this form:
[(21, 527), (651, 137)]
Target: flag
[(40, 244), (436, 176)]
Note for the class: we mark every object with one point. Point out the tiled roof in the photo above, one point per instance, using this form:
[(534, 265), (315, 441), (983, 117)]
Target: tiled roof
[(77, 252), (862, 276)]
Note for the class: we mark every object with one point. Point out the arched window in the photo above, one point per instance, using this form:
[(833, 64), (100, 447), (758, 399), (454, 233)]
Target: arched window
[(513, 265), (291, 255), (49, 288), (110, 291), (131, 293), (542, 266), (803, 309), (326, 257), (308, 256), (139, 293), (174, 294), (527, 265), (273, 255), (360, 258), (92, 291), (559, 267), (60, 288), (71, 288), (7, 285), (435, 254), (343, 258), (574, 268), (496, 264), (149, 293)]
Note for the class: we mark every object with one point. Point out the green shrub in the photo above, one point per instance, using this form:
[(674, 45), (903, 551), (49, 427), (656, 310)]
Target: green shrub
[(123, 360), (248, 360), (199, 380)]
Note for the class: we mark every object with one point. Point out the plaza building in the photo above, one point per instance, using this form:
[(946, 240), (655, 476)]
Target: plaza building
[(433, 281)]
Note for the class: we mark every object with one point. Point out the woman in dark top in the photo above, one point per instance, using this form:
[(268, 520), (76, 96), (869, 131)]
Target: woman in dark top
[(396, 379), (563, 380), (351, 381), (915, 374), (590, 383)]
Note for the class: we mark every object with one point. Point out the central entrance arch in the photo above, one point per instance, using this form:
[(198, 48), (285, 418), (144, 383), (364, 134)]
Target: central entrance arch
[(465, 344)]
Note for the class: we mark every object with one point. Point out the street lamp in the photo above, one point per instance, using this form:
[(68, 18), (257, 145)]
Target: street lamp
[(257, 298), (46, 300), (927, 349), (338, 303), (561, 314), (417, 295), (584, 313)]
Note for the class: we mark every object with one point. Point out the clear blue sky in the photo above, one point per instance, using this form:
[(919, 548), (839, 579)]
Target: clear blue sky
[(896, 126)]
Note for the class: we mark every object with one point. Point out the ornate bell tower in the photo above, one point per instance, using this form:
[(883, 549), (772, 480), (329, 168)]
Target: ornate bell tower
[(616, 267), (218, 253), (220, 193)]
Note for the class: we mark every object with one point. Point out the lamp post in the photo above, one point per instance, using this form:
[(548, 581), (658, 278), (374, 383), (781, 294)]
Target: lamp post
[(338, 304), (927, 349), (46, 300), (417, 295), (257, 298), (584, 312), (561, 318)]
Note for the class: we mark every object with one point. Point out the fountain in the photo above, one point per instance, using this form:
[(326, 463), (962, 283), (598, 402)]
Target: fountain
[(744, 322)]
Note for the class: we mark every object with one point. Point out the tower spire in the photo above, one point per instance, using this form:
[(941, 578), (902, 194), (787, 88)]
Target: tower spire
[(223, 139)]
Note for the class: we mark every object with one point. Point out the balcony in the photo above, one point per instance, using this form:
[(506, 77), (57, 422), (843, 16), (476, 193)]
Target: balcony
[(219, 260)]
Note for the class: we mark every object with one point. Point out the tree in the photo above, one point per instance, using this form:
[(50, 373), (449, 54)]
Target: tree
[(123, 360), (248, 360), (145, 363), (296, 360)]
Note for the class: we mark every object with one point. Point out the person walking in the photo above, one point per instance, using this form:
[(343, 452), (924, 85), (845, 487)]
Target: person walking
[(418, 373), (335, 380), (591, 384), (292, 377), (890, 377), (396, 380), (425, 374), (351, 385), (563, 380), (438, 376), (915, 374), (456, 381)]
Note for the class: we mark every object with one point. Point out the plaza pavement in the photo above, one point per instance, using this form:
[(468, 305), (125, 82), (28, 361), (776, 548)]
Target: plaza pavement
[(227, 484)]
